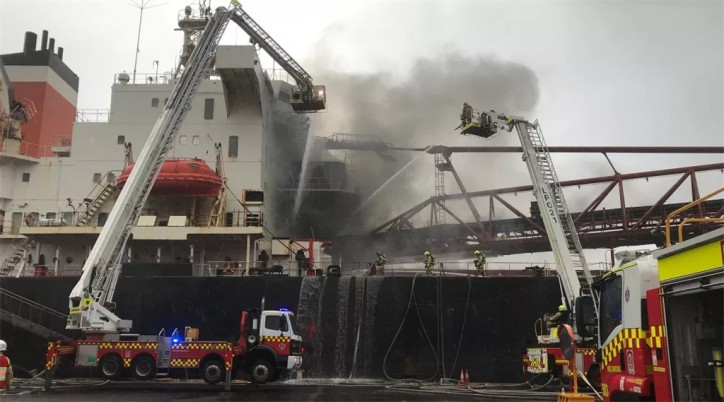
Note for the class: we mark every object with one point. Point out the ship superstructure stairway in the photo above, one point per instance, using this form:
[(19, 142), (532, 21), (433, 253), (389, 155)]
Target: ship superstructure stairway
[(97, 197), (14, 263), (31, 316)]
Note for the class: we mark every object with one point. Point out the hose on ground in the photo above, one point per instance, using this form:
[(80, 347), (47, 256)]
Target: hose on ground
[(410, 301)]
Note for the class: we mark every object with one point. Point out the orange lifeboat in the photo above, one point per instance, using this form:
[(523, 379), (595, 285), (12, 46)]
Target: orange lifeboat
[(181, 177)]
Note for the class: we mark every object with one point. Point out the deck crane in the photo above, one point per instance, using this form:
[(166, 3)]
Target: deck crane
[(559, 226), (308, 97)]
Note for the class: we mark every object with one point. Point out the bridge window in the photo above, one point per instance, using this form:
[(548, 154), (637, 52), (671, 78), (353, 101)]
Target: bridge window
[(121, 140), (26, 177), (96, 177), (154, 102), (233, 146), (208, 108)]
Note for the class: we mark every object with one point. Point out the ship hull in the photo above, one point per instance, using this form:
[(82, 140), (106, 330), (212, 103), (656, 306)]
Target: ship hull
[(348, 323)]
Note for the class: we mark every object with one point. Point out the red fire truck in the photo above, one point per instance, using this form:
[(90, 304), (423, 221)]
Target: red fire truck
[(661, 324), (266, 349)]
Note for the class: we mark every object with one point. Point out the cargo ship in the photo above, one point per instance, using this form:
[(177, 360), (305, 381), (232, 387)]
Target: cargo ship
[(224, 197)]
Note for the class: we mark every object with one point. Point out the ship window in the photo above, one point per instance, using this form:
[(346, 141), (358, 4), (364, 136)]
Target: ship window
[(121, 140), (208, 108), (26, 177), (233, 146), (102, 218), (195, 140), (96, 177), (182, 140), (50, 215), (154, 102)]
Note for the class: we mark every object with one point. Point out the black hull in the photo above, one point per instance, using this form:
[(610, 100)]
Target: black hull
[(331, 312)]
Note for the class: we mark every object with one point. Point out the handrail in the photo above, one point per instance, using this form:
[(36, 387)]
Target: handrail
[(692, 220), (684, 208), (11, 295)]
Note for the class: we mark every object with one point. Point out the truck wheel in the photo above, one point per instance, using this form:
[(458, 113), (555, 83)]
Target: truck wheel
[(143, 368), (112, 367), (212, 372), (262, 372)]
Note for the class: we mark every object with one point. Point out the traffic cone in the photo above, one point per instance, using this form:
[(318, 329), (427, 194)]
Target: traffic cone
[(464, 379)]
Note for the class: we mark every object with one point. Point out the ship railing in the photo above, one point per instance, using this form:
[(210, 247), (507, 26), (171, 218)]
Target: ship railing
[(92, 115), (279, 74), (32, 150), (463, 268), (49, 270), (240, 268), (166, 77)]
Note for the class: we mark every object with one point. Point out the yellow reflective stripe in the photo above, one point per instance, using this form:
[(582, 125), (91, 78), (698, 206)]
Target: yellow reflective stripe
[(3, 373)]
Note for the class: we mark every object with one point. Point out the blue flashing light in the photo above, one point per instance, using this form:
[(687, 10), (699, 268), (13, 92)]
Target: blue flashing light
[(176, 340), (284, 309)]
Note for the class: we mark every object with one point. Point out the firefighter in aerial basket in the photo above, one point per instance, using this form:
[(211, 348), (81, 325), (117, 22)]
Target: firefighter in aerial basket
[(466, 117), (429, 263)]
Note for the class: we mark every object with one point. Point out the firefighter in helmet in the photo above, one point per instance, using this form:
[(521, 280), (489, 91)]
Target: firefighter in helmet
[(429, 263), (560, 317), (6, 370), (466, 116), (479, 263), (380, 263)]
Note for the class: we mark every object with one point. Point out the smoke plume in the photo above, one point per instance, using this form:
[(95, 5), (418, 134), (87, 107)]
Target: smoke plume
[(420, 110)]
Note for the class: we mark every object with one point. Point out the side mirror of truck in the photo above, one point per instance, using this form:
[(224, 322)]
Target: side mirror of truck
[(585, 317)]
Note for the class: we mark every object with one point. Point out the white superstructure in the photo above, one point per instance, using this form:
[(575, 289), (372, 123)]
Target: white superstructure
[(48, 200)]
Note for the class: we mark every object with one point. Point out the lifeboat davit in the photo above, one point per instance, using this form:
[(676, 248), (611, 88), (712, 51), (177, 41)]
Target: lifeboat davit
[(181, 177)]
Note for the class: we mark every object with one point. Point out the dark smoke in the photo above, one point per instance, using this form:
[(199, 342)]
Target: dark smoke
[(420, 110)]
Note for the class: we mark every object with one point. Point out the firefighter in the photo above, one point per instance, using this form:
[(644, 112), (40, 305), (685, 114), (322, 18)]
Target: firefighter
[(467, 115), (429, 263), (6, 370), (380, 263), (300, 257), (479, 263), (561, 317)]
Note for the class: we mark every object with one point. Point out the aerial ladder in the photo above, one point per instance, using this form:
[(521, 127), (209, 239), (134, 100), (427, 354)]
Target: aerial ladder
[(91, 306), (308, 97), (558, 223)]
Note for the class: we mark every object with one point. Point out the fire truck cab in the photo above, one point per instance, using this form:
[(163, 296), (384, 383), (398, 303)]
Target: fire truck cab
[(661, 324)]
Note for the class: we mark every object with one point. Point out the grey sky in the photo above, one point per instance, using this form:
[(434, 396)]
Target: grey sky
[(609, 72)]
